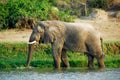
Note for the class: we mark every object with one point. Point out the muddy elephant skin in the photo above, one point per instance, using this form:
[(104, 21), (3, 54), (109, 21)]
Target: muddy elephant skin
[(63, 36)]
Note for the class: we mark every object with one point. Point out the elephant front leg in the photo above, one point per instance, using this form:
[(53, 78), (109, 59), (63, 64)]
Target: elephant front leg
[(56, 62), (56, 58), (64, 59), (57, 49)]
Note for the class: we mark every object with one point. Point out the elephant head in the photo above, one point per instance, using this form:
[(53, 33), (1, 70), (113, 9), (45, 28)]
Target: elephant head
[(42, 33)]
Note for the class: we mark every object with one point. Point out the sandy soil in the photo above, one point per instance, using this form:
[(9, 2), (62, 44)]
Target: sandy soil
[(110, 30), (15, 35)]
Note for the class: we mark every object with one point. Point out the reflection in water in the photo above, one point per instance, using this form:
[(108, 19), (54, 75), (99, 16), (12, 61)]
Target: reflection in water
[(108, 74)]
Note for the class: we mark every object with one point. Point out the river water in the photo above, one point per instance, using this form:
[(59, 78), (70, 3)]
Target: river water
[(69, 74)]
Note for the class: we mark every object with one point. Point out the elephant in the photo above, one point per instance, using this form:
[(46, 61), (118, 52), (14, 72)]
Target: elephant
[(63, 36)]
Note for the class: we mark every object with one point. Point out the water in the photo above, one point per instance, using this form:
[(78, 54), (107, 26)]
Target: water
[(70, 74)]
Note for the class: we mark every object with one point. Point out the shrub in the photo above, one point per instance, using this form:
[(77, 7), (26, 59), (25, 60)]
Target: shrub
[(3, 16), (13, 10), (103, 4)]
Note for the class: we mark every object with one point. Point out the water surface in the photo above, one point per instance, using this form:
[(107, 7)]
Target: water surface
[(70, 74)]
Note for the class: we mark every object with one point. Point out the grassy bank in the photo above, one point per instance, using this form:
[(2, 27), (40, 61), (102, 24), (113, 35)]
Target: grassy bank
[(14, 55)]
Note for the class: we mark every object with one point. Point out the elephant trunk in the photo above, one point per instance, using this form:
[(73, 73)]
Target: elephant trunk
[(30, 51)]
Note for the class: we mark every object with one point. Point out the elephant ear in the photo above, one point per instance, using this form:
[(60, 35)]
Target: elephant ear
[(44, 24), (50, 35), (52, 30)]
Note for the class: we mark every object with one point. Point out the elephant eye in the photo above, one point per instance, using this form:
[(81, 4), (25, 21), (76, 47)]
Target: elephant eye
[(40, 30)]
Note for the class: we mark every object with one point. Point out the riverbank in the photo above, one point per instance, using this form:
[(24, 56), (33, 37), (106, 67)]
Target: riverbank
[(14, 55)]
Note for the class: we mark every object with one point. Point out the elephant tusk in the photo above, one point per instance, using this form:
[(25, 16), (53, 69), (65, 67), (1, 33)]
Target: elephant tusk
[(32, 42)]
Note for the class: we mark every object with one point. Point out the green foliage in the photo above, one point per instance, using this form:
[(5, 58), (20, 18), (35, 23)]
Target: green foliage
[(112, 60), (14, 55), (19, 8), (13, 10), (3, 16), (42, 63), (101, 4)]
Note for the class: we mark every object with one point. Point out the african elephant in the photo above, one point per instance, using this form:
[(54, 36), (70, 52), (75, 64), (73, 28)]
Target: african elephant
[(63, 36)]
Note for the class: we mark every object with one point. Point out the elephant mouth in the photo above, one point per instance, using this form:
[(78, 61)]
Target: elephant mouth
[(32, 42)]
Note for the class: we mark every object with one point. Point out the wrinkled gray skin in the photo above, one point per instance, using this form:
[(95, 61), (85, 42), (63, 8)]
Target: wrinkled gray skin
[(79, 37)]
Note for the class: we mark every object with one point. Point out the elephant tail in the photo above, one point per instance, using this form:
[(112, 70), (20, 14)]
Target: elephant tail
[(101, 39)]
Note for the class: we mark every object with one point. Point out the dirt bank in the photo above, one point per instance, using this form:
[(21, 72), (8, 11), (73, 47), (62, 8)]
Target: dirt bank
[(110, 30), (15, 35)]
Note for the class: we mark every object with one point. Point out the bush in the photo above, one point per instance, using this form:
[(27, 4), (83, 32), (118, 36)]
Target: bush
[(13, 10), (103, 4), (3, 16)]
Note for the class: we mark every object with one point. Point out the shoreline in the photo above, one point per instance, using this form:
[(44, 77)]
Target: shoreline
[(14, 55)]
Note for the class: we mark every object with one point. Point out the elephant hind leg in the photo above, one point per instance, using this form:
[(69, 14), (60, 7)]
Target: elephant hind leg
[(90, 56), (96, 51), (101, 62), (90, 61), (64, 59), (100, 58)]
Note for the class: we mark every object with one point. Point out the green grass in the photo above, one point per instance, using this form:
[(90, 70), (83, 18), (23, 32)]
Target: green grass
[(14, 55)]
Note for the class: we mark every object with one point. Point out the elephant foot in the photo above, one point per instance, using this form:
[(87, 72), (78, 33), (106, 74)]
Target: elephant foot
[(65, 66), (101, 63), (90, 61), (57, 64), (28, 67), (90, 66), (65, 63)]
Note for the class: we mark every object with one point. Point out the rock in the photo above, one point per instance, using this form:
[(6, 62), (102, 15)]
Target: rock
[(117, 15), (99, 15)]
